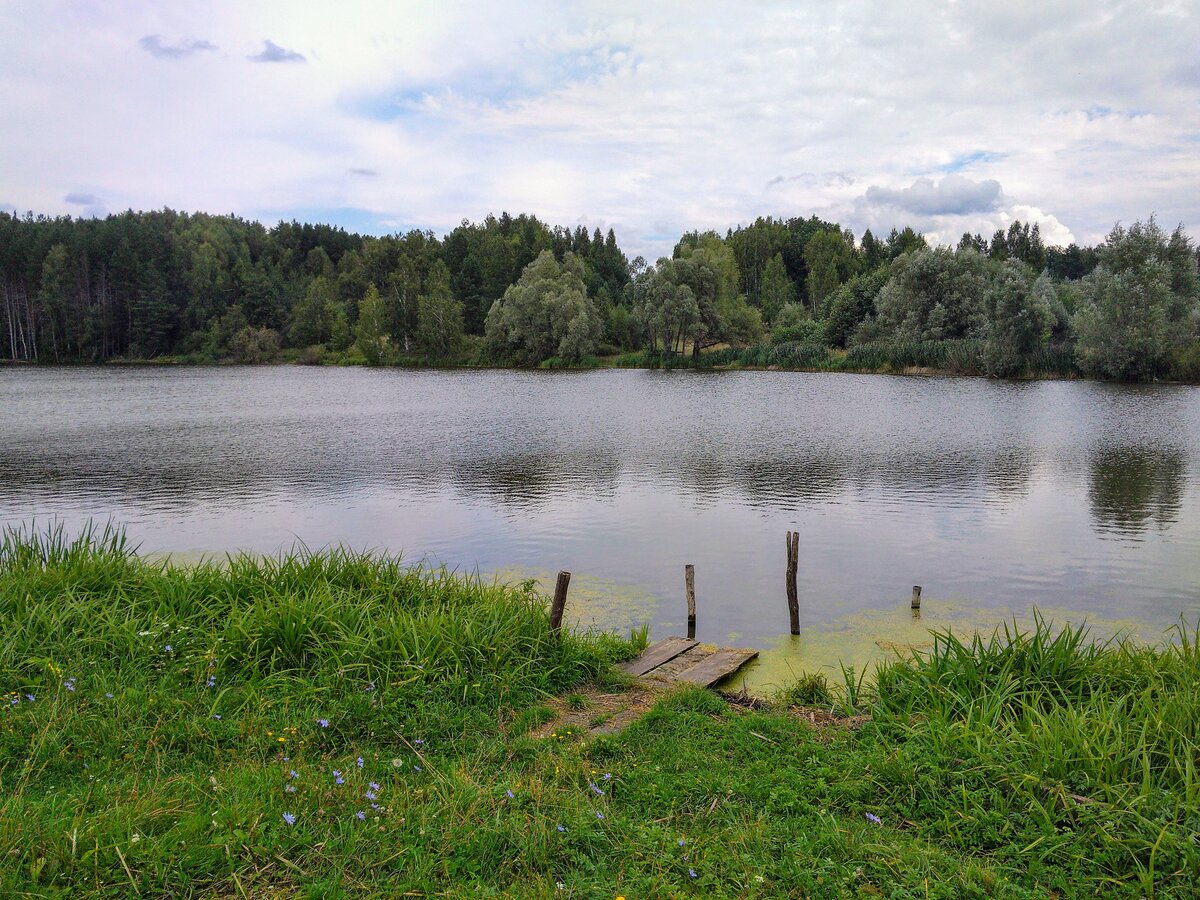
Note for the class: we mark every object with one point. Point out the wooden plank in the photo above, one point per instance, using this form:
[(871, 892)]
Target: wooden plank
[(712, 669), (668, 670), (657, 654)]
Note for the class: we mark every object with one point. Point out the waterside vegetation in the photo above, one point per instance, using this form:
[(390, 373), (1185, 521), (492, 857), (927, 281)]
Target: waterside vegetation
[(325, 724), (512, 291)]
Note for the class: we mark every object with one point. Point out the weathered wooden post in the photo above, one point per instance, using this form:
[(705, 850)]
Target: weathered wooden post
[(916, 598), (560, 600), (793, 563), (689, 580)]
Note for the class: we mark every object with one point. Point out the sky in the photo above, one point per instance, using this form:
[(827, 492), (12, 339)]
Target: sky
[(652, 119)]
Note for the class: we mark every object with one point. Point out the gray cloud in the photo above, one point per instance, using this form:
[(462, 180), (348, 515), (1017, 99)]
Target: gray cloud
[(273, 53), (954, 195), (80, 199), (365, 173), (155, 45)]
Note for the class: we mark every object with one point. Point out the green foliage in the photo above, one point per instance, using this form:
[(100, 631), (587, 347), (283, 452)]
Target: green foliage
[(790, 315), (1019, 319), (852, 303), (312, 317), (439, 316), (808, 331), (168, 285), (829, 257), (546, 313), (904, 241), (963, 357), (778, 290), (222, 331), (665, 311), (934, 295), (253, 346), (1185, 363), (1141, 303), (371, 332), (341, 337)]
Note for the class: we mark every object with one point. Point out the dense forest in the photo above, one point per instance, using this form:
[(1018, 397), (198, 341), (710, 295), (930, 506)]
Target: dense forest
[(798, 293)]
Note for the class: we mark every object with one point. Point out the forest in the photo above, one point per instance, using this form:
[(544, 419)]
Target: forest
[(789, 293)]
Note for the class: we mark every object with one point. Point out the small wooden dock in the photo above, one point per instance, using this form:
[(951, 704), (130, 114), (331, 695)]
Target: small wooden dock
[(677, 660)]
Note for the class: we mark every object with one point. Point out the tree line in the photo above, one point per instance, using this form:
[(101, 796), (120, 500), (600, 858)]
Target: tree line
[(513, 290)]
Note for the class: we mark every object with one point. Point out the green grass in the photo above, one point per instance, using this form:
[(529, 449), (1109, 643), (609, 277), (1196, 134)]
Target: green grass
[(1021, 765)]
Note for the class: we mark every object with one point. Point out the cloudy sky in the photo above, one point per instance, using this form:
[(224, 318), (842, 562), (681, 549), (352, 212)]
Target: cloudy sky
[(651, 118)]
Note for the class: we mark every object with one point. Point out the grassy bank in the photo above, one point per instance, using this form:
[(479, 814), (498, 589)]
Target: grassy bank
[(958, 357), (333, 724), (947, 357)]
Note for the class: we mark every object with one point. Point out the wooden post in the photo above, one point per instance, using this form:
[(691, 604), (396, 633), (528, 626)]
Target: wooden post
[(560, 600), (916, 600), (793, 563), (689, 580)]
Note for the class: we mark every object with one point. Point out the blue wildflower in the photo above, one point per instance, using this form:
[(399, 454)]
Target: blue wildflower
[(289, 818), (169, 648), (371, 795), (337, 777), (217, 716), (373, 785), (682, 841), (108, 696), (359, 762), (592, 785), (212, 681), (417, 769), (599, 815), (510, 795), (292, 773), (874, 818), (30, 697), (324, 723), (692, 872), (608, 776), (370, 687), (361, 816), (562, 828), (289, 788)]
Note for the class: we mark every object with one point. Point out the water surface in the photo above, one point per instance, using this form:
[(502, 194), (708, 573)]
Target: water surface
[(1077, 498)]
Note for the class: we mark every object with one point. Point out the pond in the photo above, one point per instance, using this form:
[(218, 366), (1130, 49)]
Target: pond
[(1079, 499)]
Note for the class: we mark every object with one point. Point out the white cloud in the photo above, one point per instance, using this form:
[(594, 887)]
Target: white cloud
[(651, 118)]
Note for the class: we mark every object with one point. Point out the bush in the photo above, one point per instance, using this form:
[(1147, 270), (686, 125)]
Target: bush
[(809, 331), (254, 345), (1185, 363), (312, 356)]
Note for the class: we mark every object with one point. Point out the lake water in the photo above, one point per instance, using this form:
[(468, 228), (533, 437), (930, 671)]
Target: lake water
[(1080, 499)]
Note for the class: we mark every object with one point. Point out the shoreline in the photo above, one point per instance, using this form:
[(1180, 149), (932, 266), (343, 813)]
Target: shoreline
[(604, 364)]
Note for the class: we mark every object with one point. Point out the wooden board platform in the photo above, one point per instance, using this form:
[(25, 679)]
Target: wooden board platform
[(676, 660)]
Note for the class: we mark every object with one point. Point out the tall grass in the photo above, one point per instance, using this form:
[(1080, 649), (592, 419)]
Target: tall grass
[(959, 357), (302, 613), (1097, 740), (161, 724)]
